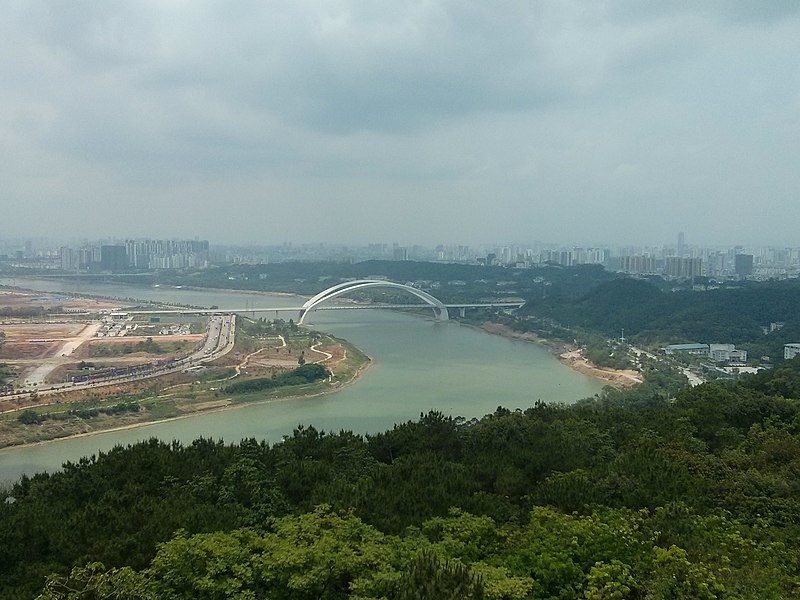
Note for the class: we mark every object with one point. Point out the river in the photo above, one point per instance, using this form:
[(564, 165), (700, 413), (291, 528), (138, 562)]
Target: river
[(419, 365)]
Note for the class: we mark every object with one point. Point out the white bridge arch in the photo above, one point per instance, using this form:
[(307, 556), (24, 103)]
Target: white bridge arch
[(439, 309)]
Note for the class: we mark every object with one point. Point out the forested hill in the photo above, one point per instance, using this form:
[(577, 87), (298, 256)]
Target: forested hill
[(452, 281), (615, 497), (731, 314)]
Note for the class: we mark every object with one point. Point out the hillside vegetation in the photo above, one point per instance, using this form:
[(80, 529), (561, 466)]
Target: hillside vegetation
[(616, 497), (649, 314)]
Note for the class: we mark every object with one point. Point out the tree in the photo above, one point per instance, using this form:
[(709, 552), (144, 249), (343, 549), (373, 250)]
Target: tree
[(430, 578), (676, 577), (318, 555), (610, 581), (30, 417), (5, 373), (95, 582)]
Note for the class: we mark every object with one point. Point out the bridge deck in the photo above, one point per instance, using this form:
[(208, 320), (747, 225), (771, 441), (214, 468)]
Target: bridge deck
[(225, 311)]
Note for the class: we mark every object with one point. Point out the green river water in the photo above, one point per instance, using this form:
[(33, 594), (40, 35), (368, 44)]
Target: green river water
[(419, 365)]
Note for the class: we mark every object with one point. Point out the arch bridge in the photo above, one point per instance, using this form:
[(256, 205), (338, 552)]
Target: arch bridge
[(439, 309)]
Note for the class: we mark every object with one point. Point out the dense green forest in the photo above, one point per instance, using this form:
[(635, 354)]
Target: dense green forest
[(734, 314), (620, 496)]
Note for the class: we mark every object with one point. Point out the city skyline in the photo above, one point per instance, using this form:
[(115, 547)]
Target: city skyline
[(437, 122), (676, 261)]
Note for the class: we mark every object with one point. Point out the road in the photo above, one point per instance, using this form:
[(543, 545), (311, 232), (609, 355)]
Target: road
[(219, 341), (693, 378)]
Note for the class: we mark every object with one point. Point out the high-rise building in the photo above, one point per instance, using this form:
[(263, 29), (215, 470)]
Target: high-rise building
[(743, 263), (683, 268), (68, 258), (635, 264), (85, 257), (113, 258)]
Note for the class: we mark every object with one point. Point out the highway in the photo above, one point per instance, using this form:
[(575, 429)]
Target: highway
[(219, 341), (693, 378)]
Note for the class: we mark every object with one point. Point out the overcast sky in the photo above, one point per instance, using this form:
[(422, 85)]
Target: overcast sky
[(416, 122)]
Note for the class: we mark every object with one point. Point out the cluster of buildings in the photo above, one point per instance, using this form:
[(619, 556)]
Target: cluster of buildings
[(135, 255), (677, 261), (177, 329), (112, 328), (724, 353), (118, 257), (705, 263), (715, 352)]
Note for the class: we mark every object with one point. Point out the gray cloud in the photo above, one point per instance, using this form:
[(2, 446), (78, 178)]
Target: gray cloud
[(419, 121)]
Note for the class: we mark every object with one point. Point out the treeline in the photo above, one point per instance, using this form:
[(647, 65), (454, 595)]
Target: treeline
[(265, 327), (117, 409), (31, 417), (6, 374), (648, 314), (300, 376), (457, 282), (619, 496), (28, 311)]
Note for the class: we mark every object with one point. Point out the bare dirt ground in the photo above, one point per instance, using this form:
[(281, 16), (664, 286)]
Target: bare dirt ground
[(330, 355), (40, 349), (11, 351), (281, 358), (615, 377), (64, 349), (31, 331), (46, 342), (38, 340)]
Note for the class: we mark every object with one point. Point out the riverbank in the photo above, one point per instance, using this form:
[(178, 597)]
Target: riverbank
[(570, 356), (175, 406)]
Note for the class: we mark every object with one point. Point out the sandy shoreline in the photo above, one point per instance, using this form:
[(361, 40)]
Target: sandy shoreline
[(570, 356)]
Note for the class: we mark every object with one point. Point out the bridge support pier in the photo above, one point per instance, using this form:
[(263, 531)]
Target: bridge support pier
[(462, 311)]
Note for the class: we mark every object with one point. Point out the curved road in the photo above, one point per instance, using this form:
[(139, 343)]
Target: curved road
[(219, 340)]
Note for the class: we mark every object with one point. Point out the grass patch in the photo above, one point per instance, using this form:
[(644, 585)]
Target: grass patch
[(148, 346)]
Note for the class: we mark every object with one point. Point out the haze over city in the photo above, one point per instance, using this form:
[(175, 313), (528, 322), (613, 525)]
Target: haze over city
[(416, 122)]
